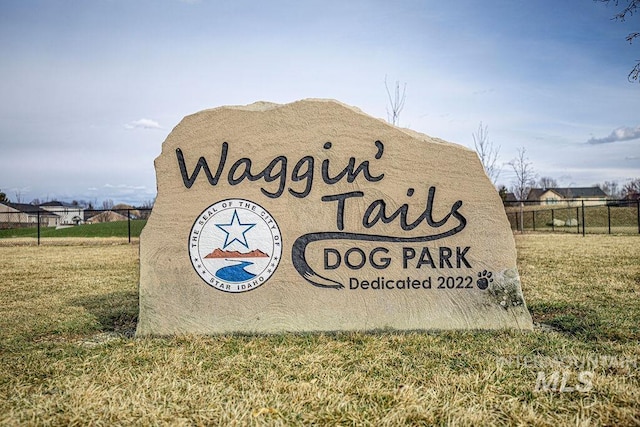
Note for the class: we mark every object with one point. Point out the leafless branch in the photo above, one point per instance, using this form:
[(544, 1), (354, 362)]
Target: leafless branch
[(629, 9), (525, 178), (396, 102), (525, 175), (632, 36), (487, 152), (634, 75)]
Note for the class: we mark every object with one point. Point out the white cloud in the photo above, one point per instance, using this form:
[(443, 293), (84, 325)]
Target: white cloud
[(619, 134), (143, 124)]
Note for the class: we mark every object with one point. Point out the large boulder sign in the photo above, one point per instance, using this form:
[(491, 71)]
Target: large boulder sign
[(313, 216)]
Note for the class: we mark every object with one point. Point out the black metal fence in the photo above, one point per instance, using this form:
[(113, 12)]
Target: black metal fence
[(568, 216), (38, 223), (576, 216)]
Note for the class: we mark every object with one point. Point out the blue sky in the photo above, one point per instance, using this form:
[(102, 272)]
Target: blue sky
[(91, 88)]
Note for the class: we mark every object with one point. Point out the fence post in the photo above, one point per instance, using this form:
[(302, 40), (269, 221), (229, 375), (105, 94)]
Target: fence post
[(517, 222), (533, 215), (129, 224), (609, 217), (38, 217), (583, 225), (553, 224), (638, 216), (578, 222)]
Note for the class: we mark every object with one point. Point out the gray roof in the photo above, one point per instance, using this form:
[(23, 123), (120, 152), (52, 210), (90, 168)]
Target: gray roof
[(56, 203), (510, 197), (568, 192), (29, 209)]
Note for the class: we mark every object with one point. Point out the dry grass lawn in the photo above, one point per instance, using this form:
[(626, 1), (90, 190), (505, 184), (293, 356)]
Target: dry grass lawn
[(67, 356)]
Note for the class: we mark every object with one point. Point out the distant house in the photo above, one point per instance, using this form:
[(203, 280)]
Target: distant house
[(68, 213), (570, 196), (509, 199), (14, 215)]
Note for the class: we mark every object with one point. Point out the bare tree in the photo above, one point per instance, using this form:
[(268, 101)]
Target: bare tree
[(525, 178), (525, 175), (629, 8), (487, 153), (396, 102), (147, 205), (547, 182), (631, 190), (568, 195), (610, 188), (107, 204), (18, 194)]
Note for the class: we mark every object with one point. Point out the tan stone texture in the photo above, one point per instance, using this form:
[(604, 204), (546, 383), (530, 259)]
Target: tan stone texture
[(174, 299)]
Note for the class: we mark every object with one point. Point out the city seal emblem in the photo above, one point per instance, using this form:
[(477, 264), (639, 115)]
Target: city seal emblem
[(235, 245)]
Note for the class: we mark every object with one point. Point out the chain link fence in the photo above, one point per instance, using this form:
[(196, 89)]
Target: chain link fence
[(569, 216), (25, 221), (575, 216)]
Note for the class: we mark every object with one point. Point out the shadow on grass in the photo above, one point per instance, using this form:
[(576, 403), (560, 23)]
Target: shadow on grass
[(575, 319), (114, 312)]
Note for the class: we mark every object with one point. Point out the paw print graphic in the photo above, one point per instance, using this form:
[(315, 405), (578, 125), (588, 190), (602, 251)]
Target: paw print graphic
[(484, 279)]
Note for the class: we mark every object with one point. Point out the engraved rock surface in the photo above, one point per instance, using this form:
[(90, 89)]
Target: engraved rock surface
[(313, 216)]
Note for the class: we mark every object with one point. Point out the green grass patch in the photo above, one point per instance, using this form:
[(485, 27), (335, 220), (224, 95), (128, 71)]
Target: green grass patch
[(67, 355), (103, 229)]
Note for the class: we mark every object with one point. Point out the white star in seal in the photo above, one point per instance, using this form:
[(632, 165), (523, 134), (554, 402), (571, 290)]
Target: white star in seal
[(235, 231)]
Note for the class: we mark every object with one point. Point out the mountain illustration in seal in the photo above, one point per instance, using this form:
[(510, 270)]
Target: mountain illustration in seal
[(219, 253)]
